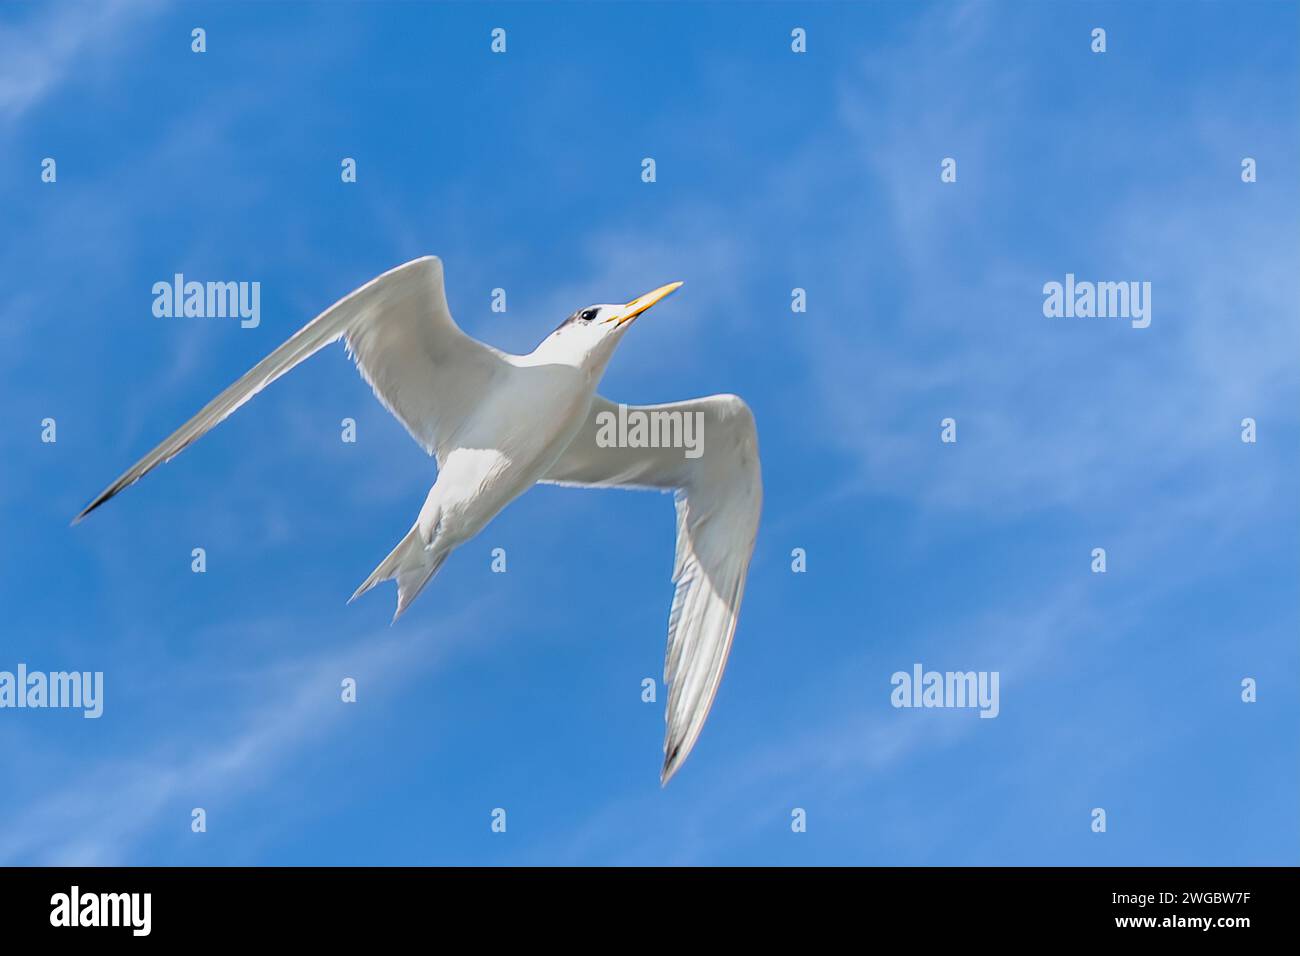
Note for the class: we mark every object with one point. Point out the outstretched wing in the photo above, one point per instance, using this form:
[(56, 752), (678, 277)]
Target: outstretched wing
[(423, 368), (719, 495)]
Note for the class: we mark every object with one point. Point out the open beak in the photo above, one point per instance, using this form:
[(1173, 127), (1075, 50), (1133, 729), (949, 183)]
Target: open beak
[(639, 305)]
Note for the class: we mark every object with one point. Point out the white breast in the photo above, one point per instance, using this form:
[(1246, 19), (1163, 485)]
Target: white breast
[(506, 445)]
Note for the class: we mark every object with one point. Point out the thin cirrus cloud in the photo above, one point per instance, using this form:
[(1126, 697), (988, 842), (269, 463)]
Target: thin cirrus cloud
[(49, 45), (1063, 412), (109, 806)]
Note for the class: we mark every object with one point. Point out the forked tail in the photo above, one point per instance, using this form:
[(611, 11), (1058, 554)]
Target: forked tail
[(411, 564)]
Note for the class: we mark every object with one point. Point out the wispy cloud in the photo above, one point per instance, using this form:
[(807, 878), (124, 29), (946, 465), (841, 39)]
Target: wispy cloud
[(105, 807), (53, 42)]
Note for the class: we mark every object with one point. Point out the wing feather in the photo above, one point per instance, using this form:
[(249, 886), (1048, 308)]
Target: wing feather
[(422, 367), (718, 497)]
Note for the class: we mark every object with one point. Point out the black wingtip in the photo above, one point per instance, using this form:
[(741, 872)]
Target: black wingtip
[(105, 496), (84, 512), (671, 766)]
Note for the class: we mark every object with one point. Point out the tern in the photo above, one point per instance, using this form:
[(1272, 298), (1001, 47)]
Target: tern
[(498, 423)]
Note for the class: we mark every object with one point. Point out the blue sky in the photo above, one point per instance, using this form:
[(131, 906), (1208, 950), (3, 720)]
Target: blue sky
[(774, 171)]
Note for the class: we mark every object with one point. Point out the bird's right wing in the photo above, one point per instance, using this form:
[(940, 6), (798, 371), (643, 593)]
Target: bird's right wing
[(719, 495), (423, 368)]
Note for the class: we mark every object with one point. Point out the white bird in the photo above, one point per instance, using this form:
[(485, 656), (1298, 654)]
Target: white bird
[(498, 423)]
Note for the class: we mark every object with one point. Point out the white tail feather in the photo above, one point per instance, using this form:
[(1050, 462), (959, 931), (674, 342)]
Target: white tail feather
[(411, 564)]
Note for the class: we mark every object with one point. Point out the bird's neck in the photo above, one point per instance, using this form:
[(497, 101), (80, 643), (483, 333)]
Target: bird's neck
[(556, 351)]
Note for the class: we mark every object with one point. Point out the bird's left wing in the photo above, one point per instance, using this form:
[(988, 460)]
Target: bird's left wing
[(719, 495), (423, 368)]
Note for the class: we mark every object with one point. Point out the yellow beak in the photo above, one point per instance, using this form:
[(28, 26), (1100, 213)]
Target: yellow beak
[(640, 304)]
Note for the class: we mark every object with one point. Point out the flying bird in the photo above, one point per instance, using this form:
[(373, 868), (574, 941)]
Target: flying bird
[(498, 423)]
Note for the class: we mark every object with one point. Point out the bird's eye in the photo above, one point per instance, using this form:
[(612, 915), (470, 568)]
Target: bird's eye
[(587, 315)]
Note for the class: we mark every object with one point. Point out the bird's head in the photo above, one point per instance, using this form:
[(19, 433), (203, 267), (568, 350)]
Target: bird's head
[(587, 338)]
